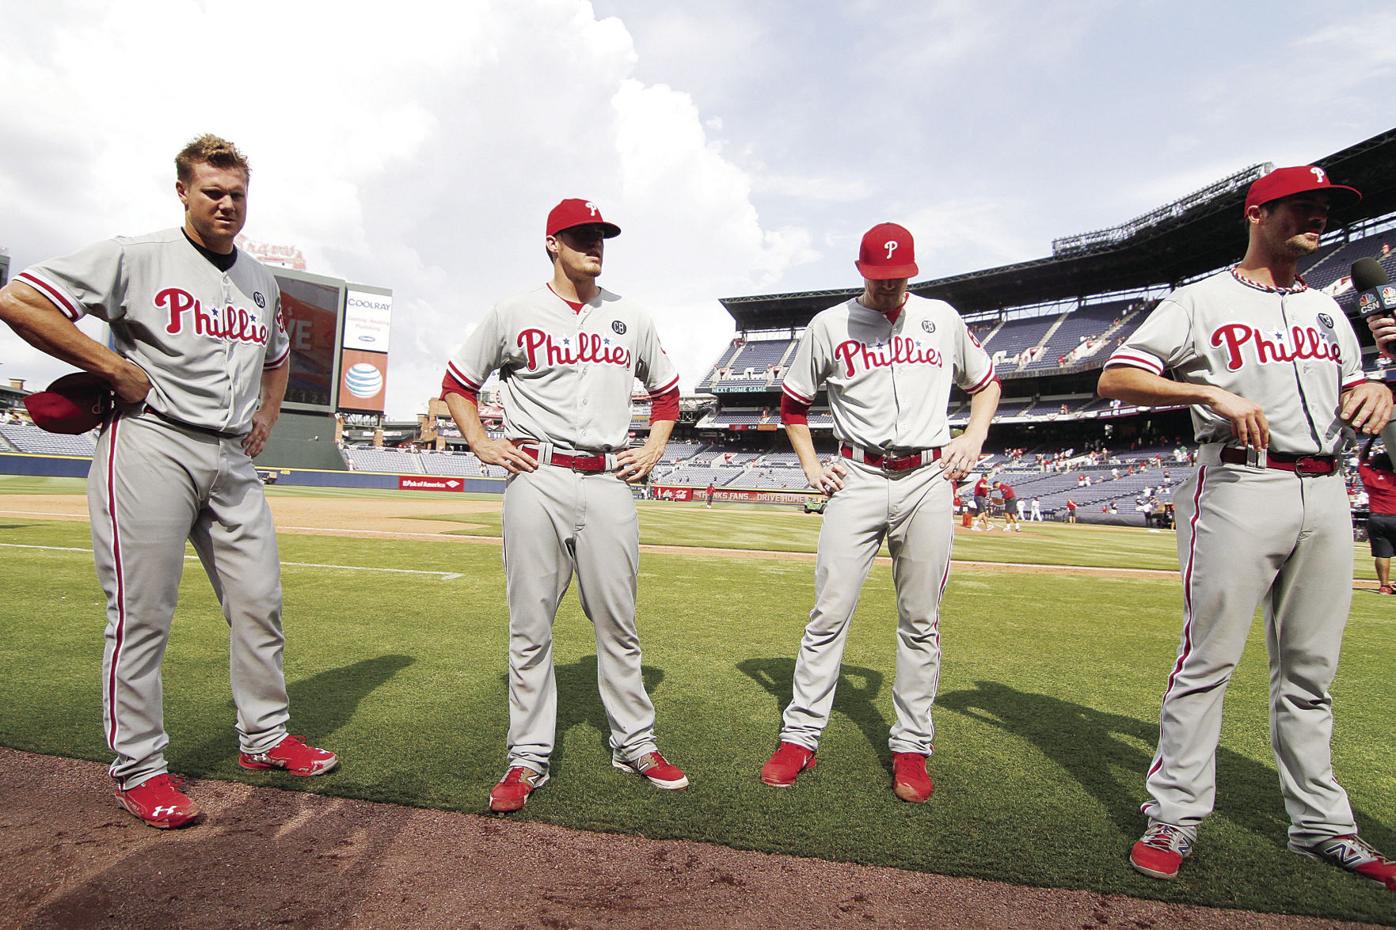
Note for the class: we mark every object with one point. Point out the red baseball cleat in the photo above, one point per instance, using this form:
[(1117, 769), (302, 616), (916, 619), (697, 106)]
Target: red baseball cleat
[(910, 781), (160, 803), (1160, 852), (1354, 854), (293, 756), (660, 771), (1384, 589), (514, 788), (785, 765)]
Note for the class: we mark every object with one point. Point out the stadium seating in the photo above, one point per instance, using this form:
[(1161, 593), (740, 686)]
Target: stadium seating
[(1018, 334), (26, 437), (1092, 322), (383, 460)]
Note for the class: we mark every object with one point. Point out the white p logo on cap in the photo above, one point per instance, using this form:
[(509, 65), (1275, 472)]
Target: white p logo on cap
[(891, 246), (1318, 175), (591, 207)]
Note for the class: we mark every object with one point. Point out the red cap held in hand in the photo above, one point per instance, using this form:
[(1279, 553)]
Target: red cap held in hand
[(73, 404), (887, 252)]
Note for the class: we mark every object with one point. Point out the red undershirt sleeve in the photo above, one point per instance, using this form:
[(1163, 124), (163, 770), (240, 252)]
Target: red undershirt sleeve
[(665, 406), (793, 412)]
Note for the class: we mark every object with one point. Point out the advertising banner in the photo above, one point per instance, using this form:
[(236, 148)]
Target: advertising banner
[(428, 483), (367, 319), (363, 381)]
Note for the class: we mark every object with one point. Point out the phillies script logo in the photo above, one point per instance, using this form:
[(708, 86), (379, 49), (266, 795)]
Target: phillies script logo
[(587, 348), (1298, 344), (899, 350), (231, 324)]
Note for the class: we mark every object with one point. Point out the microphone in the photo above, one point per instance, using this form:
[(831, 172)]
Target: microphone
[(1376, 295)]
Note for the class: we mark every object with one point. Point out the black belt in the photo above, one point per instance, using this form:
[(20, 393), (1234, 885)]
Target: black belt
[(206, 430), (1303, 465)]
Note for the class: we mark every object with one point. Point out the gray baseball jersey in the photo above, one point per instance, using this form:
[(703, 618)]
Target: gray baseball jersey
[(889, 383), (1293, 352), (568, 379), (204, 337), (567, 375), (1256, 535)]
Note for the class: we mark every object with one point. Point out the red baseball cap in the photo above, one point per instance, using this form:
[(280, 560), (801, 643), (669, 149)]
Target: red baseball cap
[(887, 252), (575, 211), (1286, 182), (73, 404)]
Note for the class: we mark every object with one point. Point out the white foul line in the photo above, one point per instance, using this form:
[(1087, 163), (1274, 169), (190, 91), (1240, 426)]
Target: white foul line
[(444, 576)]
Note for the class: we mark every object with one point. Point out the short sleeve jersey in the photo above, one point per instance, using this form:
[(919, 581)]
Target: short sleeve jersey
[(203, 336), (567, 374), (1292, 351), (888, 383)]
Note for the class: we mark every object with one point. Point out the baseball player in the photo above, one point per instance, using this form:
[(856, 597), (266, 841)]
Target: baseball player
[(1036, 512), (1071, 506), (199, 366), (888, 360), (712, 489), (1273, 372), (1379, 480), (569, 353), (981, 503)]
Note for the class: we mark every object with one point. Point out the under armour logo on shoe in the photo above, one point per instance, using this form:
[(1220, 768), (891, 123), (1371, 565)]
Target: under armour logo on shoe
[(163, 810), (891, 246)]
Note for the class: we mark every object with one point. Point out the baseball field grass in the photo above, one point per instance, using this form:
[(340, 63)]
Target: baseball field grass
[(1046, 718)]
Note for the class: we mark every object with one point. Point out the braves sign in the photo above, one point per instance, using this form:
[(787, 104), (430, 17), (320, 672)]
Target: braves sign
[(899, 350), (587, 348), (1300, 343)]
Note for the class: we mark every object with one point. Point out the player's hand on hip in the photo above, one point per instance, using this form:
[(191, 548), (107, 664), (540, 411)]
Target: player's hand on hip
[(1367, 407), (829, 478), (505, 454), (1248, 423), (633, 464), (1384, 330), (130, 383), (256, 440), (959, 456)]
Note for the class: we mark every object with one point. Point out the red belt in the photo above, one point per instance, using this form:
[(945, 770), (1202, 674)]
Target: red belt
[(583, 463), (887, 463), (1305, 465)]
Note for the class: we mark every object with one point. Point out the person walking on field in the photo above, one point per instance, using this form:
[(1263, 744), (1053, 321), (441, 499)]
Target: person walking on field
[(1379, 481)]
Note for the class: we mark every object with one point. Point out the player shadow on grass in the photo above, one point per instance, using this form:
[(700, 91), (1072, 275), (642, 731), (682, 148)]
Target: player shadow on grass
[(1095, 747), (320, 705), (579, 703), (855, 697)]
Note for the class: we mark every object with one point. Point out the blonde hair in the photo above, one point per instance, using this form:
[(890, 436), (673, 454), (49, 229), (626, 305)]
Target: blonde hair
[(212, 150)]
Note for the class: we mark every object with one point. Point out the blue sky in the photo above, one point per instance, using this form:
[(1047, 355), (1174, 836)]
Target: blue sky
[(743, 147)]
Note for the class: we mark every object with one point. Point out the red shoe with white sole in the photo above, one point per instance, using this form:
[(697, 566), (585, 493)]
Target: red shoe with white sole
[(660, 771), (160, 803), (293, 756)]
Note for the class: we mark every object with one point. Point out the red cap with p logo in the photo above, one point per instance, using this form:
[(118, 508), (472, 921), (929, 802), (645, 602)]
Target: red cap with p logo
[(887, 252)]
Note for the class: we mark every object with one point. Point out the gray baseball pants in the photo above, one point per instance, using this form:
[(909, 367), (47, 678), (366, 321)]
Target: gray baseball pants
[(912, 511), (1249, 536), (556, 522), (152, 486)]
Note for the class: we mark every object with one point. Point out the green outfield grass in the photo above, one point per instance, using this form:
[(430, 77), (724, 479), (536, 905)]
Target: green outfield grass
[(1046, 718)]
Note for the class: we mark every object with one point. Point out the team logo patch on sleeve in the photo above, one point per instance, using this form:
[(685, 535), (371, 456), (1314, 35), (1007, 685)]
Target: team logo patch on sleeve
[(928, 326), (618, 327), (259, 300)]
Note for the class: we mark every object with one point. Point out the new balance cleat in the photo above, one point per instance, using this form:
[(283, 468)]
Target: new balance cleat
[(1355, 855), (1161, 850), (513, 789), (661, 772)]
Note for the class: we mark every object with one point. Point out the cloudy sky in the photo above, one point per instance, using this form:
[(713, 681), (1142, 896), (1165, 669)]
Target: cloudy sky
[(743, 147)]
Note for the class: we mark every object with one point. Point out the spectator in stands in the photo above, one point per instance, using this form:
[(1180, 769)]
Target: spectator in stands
[(1379, 480)]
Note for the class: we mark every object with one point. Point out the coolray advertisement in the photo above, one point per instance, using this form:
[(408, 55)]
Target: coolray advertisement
[(367, 318)]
